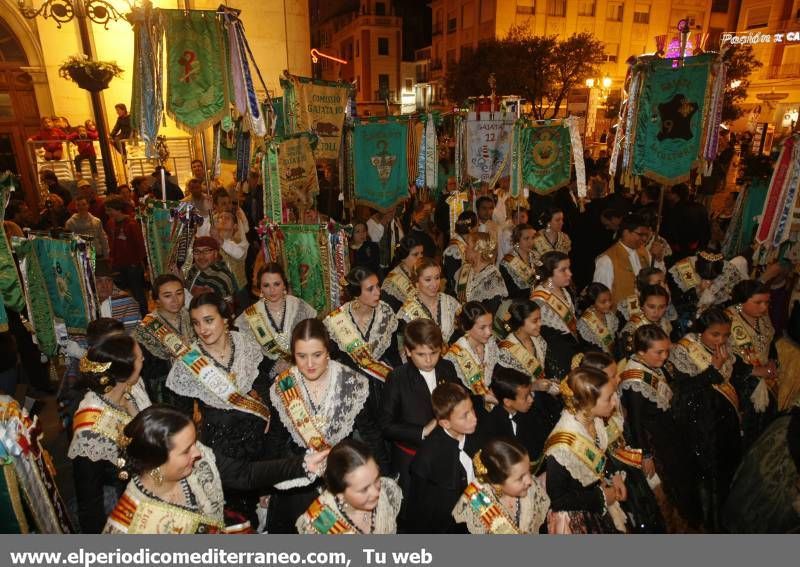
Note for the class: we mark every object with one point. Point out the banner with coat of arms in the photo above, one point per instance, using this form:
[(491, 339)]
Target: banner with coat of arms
[(488, 141), (311, 105), (10, 288), (290, 176), (379, 161), (541, 155)]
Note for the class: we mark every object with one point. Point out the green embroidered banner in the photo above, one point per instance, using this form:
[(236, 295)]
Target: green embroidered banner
[(157, 228), (311, 105), (298, 173), (307, 263), (669, 124), (197, 80), (541, 155), (379, 161), (62, 276), (40, 310), (10, 286)]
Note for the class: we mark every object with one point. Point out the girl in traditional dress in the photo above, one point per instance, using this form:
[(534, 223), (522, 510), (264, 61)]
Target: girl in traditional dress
[(427, 302), (363, 331), (753, 343), (519, 267), (271, 321), (582, 499), (706, 408), (654, 301), (475, 354), (220, 372), (110, 370), (641, 507), (397, 287), (356, 499), (559, 322), (645, 398), (503, 498), (598, 324), (315, 404), (479, 279), (176, 483), (453, 256), (551, 236), (170, 314)]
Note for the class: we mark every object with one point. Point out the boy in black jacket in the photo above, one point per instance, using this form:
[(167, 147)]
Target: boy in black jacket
[(442, 467)]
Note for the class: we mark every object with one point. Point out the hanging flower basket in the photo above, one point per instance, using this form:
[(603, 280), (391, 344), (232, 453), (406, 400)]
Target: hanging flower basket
[(87, 74)]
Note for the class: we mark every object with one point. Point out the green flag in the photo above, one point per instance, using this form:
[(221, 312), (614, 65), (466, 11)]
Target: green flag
[(379, 161), (10, 287), (541, 155), (307, 265), (40, 308), (157, 227), (669, 123), (197, 80)]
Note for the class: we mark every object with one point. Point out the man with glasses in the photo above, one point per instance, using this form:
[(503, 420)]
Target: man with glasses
[(618, 266), (208, 271)]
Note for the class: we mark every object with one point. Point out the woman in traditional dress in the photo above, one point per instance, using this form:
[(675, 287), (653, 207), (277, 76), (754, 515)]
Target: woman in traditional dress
[(753, 343), (700, 281), (559, 322), (397, 287), (271, 321), (315, 404), (645, 398), (220, 373), (170, 315), (519, 267), (551, 236), (598, 323), (110, 371), (765, 495), (427, 302), (363, 331), (503, 498), (453, 256), (475, 355), (176, 483), (706, 408), (582, 499), (479, 279), (632, 304), (654, 300), (641, 505), (356, 499), (364, 252)]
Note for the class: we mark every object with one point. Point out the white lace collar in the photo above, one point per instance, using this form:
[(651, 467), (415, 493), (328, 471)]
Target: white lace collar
[(566, 458), (381, 332), (491, 354), (661, 394)]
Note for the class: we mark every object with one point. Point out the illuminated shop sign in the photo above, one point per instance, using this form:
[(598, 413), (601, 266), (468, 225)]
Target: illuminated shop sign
[(753, 38)]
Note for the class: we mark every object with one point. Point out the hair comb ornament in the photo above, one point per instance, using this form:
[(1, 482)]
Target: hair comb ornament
[(567, 395), (711, 257), (87, 365), (480, 468)]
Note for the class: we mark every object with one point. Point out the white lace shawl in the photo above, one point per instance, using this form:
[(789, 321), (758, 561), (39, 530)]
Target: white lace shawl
[(248, 356), (380, 335), (566, 458), (660, 396), (679, 356), (720, 289), (484, 285), (296, 311), (491, 355), (532, 514), (448, 306), (585, 331), (519, 280), (453, 250), (505, 358), (385, 512), (148, 341), (549, 316), (390, 286), (94, 445)]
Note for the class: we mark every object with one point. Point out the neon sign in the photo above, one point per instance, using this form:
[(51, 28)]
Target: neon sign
[(754, 38)]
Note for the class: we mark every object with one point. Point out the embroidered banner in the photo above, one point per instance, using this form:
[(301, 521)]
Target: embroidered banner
[(541, 156), (670, 121), (10, 287), (64, 282), (156, 228), (307, 263), (488, 145), (297, 172), (316, 106), (197, 77), (40, 310), (379, 159)]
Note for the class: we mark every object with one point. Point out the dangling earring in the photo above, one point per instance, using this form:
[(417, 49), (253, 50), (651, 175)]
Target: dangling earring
[(157, 477)]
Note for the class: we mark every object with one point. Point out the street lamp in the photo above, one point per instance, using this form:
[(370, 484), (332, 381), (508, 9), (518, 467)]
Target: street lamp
[(100, 12), (604, 85)]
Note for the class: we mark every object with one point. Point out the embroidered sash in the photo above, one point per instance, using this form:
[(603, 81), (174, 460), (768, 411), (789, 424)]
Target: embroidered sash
[(346, 333), (522, 355), (560, 307), (263, 333), (685, 272), (598, 326), (298, 413), (489, 511), (459, 244), (471, 369), (221, 385), (463, 283), (399, 284), (582, 447), (326, 521), (165, 335), (414, 309), (746, 343), (147, 516), (522, 271), (702, 359), (661, 392), (106, 421)]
